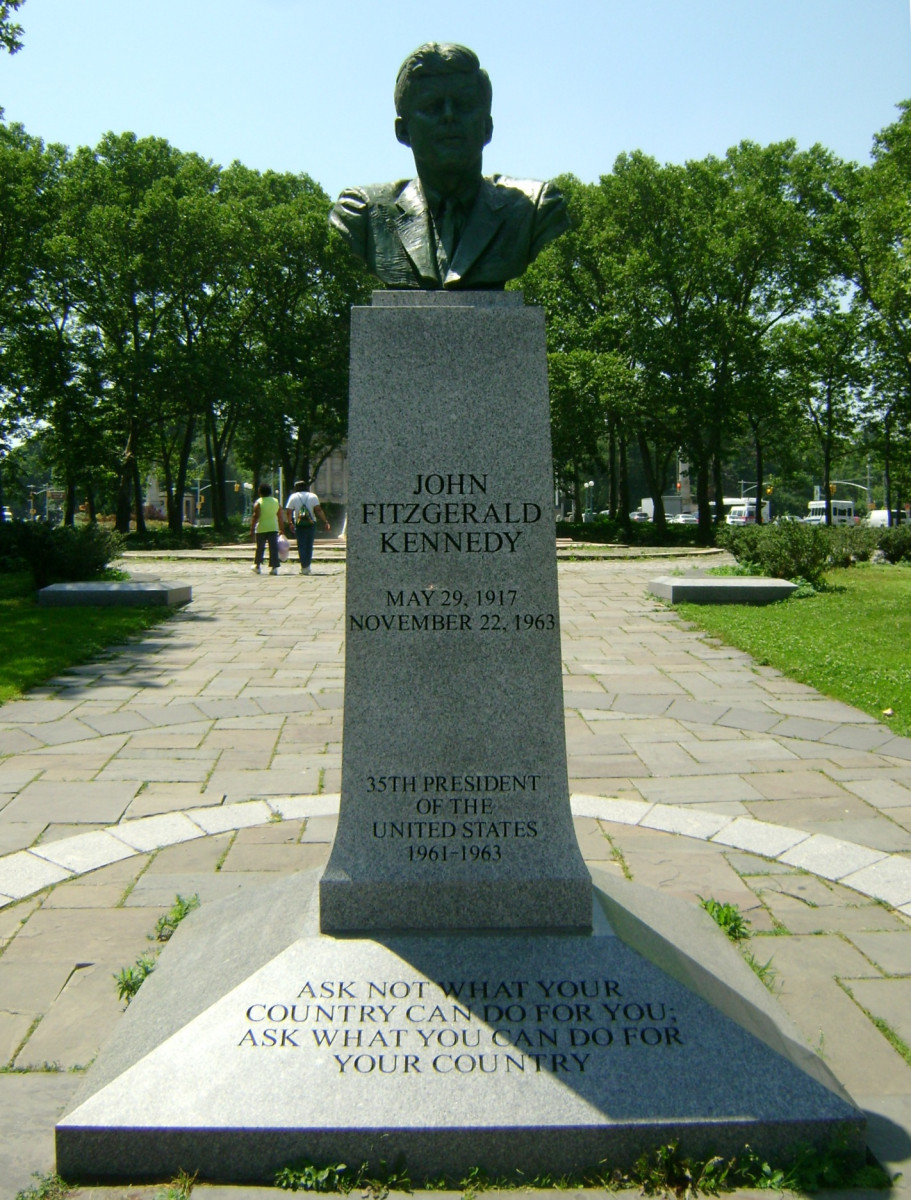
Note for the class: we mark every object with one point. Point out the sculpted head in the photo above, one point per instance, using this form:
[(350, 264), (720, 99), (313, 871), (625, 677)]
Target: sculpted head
[(443, 99)]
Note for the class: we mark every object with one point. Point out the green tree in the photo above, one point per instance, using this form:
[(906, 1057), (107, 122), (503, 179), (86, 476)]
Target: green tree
[(301, 285), (875, 254), (10, 32), (29, 202), (821, 354)]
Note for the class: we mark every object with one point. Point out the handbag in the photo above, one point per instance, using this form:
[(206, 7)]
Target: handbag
[(284, 548)]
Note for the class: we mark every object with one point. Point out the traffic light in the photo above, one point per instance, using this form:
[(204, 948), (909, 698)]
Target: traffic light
[(237, 487), (832, 489)]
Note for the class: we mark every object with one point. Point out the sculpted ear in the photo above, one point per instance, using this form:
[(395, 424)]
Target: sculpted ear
[(401, 131)]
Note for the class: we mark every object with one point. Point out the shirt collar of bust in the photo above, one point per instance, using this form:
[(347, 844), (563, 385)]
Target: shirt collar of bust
[(464, 196)]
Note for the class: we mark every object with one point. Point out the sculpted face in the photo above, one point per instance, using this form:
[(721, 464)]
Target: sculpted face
[(447, 125)]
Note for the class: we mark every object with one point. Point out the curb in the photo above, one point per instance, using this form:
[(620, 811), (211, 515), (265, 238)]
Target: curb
[(873, 873)]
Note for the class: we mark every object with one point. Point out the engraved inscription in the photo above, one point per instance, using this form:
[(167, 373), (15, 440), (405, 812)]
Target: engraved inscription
[(464, 1027)]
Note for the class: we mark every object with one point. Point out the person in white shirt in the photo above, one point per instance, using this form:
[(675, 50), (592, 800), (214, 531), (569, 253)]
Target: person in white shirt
[(303, 507)]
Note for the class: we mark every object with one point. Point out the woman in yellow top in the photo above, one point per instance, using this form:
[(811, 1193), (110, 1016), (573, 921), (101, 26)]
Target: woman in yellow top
[(268, 520)]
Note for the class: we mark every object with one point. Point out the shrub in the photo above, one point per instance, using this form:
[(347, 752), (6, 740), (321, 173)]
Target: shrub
[(851, 543), (60, 555), (640, 533), (788, 551), (895, 543), (189, 538)]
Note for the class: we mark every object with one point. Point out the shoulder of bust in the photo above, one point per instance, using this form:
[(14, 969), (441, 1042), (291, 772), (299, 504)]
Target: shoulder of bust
[(533, 189), (375, 193)]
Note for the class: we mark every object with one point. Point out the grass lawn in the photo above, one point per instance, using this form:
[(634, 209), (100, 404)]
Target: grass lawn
[(38, 643), (852, 642)]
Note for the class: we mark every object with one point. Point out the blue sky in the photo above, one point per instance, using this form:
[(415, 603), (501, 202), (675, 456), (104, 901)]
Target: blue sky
[(300, 85)]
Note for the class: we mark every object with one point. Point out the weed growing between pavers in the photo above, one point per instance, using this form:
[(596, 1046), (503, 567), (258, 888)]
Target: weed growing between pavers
[(130, 979), (736, 926), (179, 1188), (895, 1040), (728, 917), (662, 1172), (46, 1187)]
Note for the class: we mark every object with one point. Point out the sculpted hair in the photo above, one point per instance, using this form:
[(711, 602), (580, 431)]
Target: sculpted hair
[(439, 58)]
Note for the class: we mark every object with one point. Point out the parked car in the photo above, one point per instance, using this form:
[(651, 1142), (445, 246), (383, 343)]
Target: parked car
[(639, 515), (684, 519)]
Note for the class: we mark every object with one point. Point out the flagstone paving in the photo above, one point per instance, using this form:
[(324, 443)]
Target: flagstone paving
[(205, 758)]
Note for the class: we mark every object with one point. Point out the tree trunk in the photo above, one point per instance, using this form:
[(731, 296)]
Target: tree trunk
[(623, 484), (703, 502), (718, 481), (652, 482), (69, 503), (122, 520), (137, 493), (759, 482), (613, 489)]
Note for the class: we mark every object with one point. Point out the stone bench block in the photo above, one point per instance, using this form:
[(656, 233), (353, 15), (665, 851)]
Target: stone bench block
[(131, 591), (721, 589)]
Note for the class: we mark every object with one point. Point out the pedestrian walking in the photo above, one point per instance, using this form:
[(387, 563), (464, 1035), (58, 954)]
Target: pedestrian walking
[(304, 508), (267, 521)]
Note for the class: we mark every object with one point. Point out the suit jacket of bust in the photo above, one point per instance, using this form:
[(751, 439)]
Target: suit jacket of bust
[(389, 227)]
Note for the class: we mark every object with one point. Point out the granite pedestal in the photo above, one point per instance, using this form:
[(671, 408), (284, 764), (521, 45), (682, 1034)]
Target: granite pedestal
[(455, 803), (259, 1042)]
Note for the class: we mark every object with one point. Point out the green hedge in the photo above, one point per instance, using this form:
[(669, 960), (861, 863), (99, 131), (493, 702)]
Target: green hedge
[(796, 551), (57, 555), (640, 533), (895, 543)]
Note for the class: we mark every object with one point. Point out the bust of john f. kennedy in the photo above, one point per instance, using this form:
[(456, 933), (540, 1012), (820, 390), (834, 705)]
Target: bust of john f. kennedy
[(450, 227)]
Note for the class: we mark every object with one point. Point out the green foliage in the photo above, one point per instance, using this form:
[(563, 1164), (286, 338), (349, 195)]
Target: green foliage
[(60, 555), (604, 531), (180, 1188), (852, 544), (10, 31), (304, 1176), (130, 979), (728, 917), (661, 1172), (788, 551), (895, 543), (189, 537), (182, 907), (46, 1187), (764, 971), (37, 643), (851, 641)]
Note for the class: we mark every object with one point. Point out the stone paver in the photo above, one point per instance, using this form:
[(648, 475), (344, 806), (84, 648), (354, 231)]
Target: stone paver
[(207, 759)]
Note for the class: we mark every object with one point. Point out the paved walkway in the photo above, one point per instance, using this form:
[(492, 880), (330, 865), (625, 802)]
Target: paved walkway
[(206, 757)]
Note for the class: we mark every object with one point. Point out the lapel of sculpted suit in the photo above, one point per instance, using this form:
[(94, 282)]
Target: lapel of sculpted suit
[(388, 226)]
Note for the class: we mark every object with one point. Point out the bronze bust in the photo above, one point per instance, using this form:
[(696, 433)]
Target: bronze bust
[(450, 227)]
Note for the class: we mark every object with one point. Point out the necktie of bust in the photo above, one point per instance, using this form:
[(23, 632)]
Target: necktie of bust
[(447, 233)]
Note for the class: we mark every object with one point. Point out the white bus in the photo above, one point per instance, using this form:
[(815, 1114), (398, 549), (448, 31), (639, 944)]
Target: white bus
[(842, 512)]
